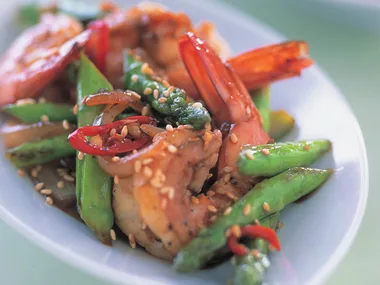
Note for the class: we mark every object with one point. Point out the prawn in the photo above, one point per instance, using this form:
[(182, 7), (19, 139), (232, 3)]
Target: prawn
[(39, 56)]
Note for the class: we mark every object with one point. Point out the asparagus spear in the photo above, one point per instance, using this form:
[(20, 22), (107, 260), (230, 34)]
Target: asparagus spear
[(39, 152), (93, 185), (276, 192), (250, 270), (168, 101), (32, 113), (271, 159), (280, 124), (261, 98)]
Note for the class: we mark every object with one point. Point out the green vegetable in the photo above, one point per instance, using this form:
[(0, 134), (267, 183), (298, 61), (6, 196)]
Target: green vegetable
[(93, 185), (79, 10), (277, 191), (39, 152), (31, 113), (281, 123), (271, 159), (174, 107), (261, 98), (28, 15), (248, 269)]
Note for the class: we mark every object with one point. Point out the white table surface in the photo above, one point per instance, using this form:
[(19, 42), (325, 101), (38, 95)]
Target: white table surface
[(351, 56)]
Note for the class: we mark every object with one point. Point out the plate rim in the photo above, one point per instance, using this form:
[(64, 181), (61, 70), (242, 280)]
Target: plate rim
[(111, 275)]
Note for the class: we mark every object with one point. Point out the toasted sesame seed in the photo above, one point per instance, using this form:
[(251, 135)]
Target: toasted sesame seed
[(227, 211), (132, 240), (165, 83), (148, 172), (65, 124), (143, 226), (113, 132), (169, 128), (155, 182), (165, 93), (171, 89), (228, 169), (213, 218), (249, 155), (146, 161), (41, 100), (112, 234), (115, 159), (39, 186), (257, 222), (265, 151), (234, 138), (138, 166), (34, 173), (80, 155), (306, 147), (247, 209), (231, 196), (116, 179), (164, 203), (124, 131), (162, 100), (145, 110), (44, 118), (46, 191), (147, 91), (194, 200), (135, 95), (138, 58), (255, 253), (171, 193), (235, 230), (197, 105), (227, 177), (75, 109), (266, 207), (134, 78), (134, 151), (96, 140), (62, 170), (165, 190), (68, 178), (20, 173), (209, 175), (248, 111), (155, 93), (279, 225), (25, 101), (210, 193), (144, 68), (212, 209), (60, 184), (172, 148), (221, 191), (49, 200)]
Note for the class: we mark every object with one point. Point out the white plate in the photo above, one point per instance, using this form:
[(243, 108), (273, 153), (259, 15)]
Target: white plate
[(317, 233)]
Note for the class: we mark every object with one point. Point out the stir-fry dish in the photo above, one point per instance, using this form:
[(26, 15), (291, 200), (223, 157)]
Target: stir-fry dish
[(145, 125)]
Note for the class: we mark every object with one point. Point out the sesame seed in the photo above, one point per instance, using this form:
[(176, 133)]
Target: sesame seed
[(145, 110), (134, 78), (155, 93), (171, 89), (20, 173), (115, 159), (112, 234), (138, 58), (164, 204), (146, 161), (155, 182), (134, 151), (34, 173), (41, 100), (227, 211), (266, 207), (171, 193), (235, 230), (116, 179), (227, 177), (132, 240), (213, 218), (162, 100), (164, 190), (148, 172), (68, 178), (257, 222), (46, 191), (279, 225), (144, 68), (210, 193), (75, 109), (39, 186), (148, 91), (255, 253), (44, 118), (138, 166), (212, 209), (249, 155), (124, 131), (221, 191), (197, 105), (65, 124), (113, 132), (194, 200), (234, 138), (143, 226), (228, 169), (96, 140), (209, 175), (265, 151), (25, 101), (80, 155), (172, 148), (49, 200), (231, 196), (247, 209), (60, 184), (306, 147), (165, 93), (248, 111), (165, 83)]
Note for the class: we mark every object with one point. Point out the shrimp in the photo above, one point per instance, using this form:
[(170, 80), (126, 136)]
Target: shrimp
[(39, 56)]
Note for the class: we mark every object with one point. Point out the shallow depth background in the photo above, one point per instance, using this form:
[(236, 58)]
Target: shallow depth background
[(345, 42)]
